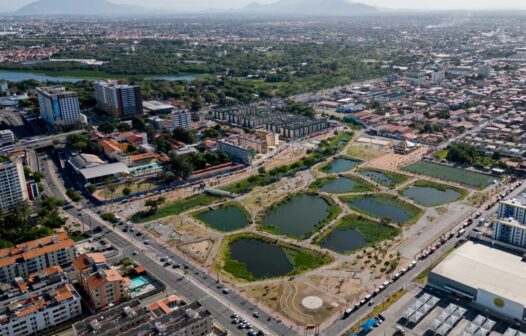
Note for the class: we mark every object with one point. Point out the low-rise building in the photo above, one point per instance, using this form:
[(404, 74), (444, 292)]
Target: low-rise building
[(131, 318), (236, 152)]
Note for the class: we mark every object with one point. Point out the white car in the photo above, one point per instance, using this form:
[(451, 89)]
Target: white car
[(135, 252)]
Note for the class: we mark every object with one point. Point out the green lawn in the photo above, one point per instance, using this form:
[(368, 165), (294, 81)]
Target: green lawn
[(453, 174), (441, 155), (135, 188), (176, 208)]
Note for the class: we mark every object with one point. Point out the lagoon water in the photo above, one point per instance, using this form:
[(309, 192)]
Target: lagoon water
[(378, 177), (429, 196), (343, 240), (261, 258), (382, 208), (227, 218), (341, 165), (298, 216), (340, 185), (18, 76)]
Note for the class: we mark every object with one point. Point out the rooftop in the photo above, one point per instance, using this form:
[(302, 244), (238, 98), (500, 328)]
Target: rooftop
[(483, 267), (104, 170)]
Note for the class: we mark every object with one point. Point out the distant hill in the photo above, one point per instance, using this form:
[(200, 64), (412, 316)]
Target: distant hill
[(311, 8), (79, 7)]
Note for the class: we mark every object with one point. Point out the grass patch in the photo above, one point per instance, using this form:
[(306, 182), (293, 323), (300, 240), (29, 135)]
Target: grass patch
[(359, 185), (414, 212), (422, 276), (364, 153), (453, 174), (135, 188), (385, 178), (176, 208), (302, 259), (441, 155), (325, 149)]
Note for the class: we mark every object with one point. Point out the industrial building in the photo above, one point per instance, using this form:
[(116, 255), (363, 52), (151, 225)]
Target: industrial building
[(491, 278)]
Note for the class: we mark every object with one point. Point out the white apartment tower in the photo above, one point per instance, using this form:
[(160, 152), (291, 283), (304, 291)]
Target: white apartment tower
[(59, 107)]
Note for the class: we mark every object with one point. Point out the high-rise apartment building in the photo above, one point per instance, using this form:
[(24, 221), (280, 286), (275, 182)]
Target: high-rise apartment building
[(36, 255), (59, 107), (510, 227), (123, 101), (13, 188)]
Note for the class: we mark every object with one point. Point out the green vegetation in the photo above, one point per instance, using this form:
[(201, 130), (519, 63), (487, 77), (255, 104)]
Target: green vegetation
[(301, 259), (176, 208), (326, 149), (463, 153), (441, 155), (73, 195), (359, 185), (373, 232), (394, 178), (447, 173), (24, 222), (109, 217)]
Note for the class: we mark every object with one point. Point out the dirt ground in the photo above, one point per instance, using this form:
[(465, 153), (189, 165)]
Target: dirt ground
[(285, 297), (393, 161), (366, 153), (199, 250)]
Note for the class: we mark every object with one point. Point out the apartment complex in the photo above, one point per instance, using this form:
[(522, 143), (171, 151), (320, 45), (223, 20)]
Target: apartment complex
[(178, 119), (59, 107), (13, 188), (288, 126), (35, 256), (38, 312), (510, 226), (103, 284), (123, 101), (130, 319), (6, 137), (236, 152)]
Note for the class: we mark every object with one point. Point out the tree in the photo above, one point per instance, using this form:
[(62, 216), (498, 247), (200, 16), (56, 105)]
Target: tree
[(124, 127), (139, 124), (186, 136), (154, 204), (126, 191), (73, 194), (106, 128)]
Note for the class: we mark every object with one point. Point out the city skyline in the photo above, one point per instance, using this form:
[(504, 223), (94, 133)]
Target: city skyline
[(183, 6)]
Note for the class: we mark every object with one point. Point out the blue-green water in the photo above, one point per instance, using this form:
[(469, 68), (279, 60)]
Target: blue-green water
[(378, 177), (18, 76), (429, 196), (262, 259), (227, 218), (298, 216), (381, 208), (341, 165), (343, 240), (340, 185)]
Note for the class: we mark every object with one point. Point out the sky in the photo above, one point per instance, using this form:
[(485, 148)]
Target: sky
[(185, 5)]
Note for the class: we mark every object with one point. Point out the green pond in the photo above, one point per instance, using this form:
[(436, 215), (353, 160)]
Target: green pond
[(227, 218), (429, 196), (343, 240), (341, 165), (298, 216), (381, 207), (378, 177), (262, 259), (340, 185)]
